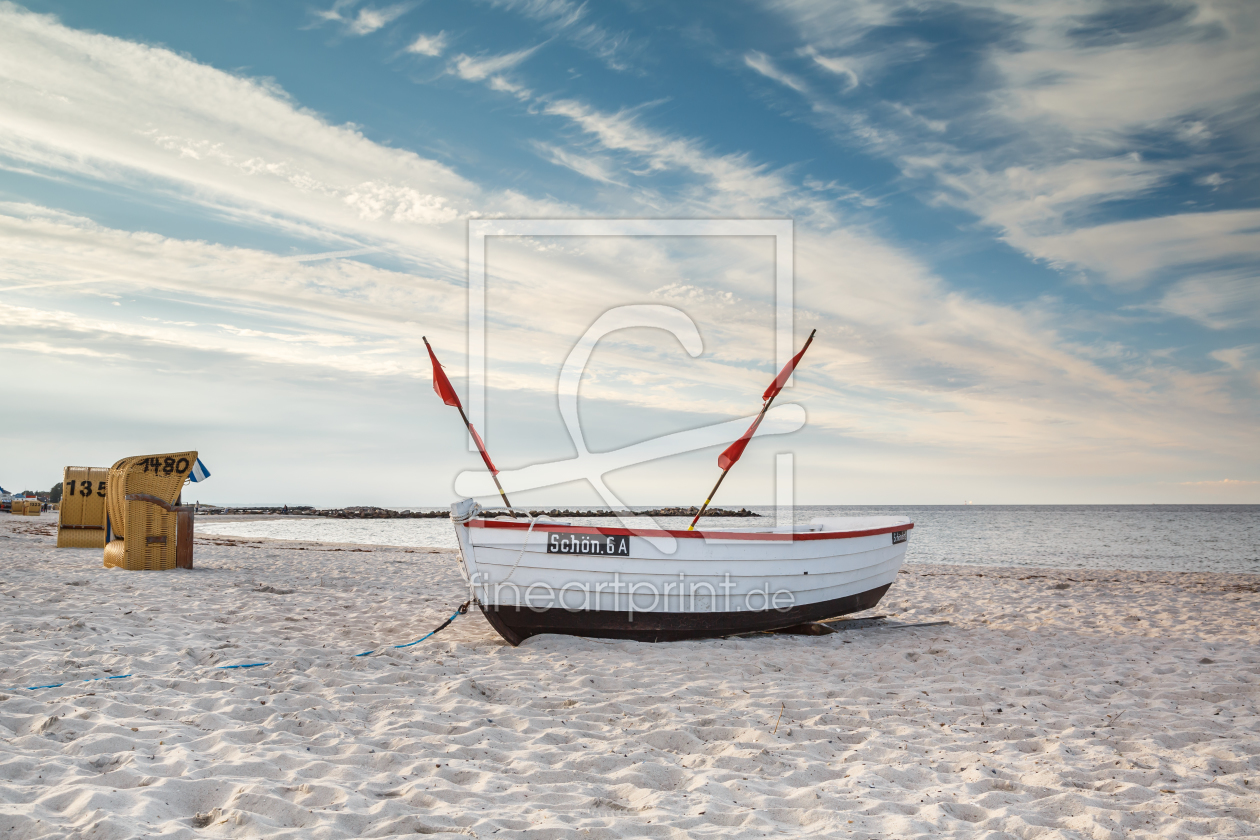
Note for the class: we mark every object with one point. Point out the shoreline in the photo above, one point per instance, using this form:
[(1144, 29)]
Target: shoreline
[(1124, 705), (412, 534)]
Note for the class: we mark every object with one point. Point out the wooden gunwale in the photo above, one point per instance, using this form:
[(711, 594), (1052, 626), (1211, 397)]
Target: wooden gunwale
[(687, 535)]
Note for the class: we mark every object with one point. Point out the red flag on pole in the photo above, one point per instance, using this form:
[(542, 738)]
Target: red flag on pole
[(441, 384), (777, 385), (485, 456), (733, 452)]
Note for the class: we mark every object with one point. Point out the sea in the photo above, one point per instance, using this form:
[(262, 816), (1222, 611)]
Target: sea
[(1178, 538)]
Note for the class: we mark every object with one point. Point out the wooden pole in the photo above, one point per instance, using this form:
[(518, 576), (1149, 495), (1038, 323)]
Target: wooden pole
[(753, 429), (721, 477), (492, 475)]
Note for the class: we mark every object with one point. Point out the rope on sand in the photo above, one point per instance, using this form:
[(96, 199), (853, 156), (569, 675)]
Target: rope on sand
[(463, 608)]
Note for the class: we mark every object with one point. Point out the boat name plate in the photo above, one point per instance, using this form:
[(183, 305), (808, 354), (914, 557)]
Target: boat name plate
[(559, 543), (899, 537)]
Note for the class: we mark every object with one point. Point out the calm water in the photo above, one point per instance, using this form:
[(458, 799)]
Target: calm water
[(1202, 538)]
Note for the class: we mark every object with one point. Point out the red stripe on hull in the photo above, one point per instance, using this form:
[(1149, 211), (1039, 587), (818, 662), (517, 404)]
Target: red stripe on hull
[(689, 535)]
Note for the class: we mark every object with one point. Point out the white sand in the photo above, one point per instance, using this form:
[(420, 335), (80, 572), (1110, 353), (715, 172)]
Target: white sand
[(1091, 711)]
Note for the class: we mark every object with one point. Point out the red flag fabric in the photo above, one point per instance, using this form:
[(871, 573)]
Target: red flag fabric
[(732, 453), (447, 392), (443, 386), (779, 381), (485, 456)]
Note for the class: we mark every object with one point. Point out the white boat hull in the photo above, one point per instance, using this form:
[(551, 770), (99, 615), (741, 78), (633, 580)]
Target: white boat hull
[(617, 582)]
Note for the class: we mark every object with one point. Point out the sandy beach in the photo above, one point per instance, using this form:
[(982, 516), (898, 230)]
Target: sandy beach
[(1056, 704)]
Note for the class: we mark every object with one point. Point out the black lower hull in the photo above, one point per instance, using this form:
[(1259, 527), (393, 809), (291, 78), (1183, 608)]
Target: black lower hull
[(516, 624)]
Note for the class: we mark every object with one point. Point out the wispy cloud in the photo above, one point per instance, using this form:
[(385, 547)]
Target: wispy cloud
[(430, 45), (1221, 483), (735, 180), (363, 311), (1217, 300), (572, 21), (370, 19), (365, 20), (1235, 357), (236, 147), (586, 165), (761, 62), (838, 66), (1129, 254), (478, 68), (505, 85), (1057, 111)]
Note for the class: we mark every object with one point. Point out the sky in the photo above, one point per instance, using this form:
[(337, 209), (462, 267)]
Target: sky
[(1027, 234)]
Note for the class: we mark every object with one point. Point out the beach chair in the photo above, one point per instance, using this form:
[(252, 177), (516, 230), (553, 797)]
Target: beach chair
[(81, 515), (147, 528)]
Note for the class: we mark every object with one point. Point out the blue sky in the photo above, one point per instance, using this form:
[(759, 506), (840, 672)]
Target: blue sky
[(1026, 232)]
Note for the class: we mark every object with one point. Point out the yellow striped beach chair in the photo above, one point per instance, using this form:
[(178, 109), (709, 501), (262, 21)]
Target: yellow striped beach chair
[(147, 528), (81, 515)]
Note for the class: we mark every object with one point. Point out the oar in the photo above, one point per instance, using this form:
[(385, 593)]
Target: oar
[(733, 452), (442, 385)]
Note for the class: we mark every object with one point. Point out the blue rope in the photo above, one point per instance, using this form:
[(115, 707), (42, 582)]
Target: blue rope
[(120, 677), (463, 609)]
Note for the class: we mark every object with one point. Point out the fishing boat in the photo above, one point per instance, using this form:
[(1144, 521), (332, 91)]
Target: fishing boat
[(658, 585)]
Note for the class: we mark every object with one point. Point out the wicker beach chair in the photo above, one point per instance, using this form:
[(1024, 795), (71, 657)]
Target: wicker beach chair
[(81, 515), (147, 527)]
